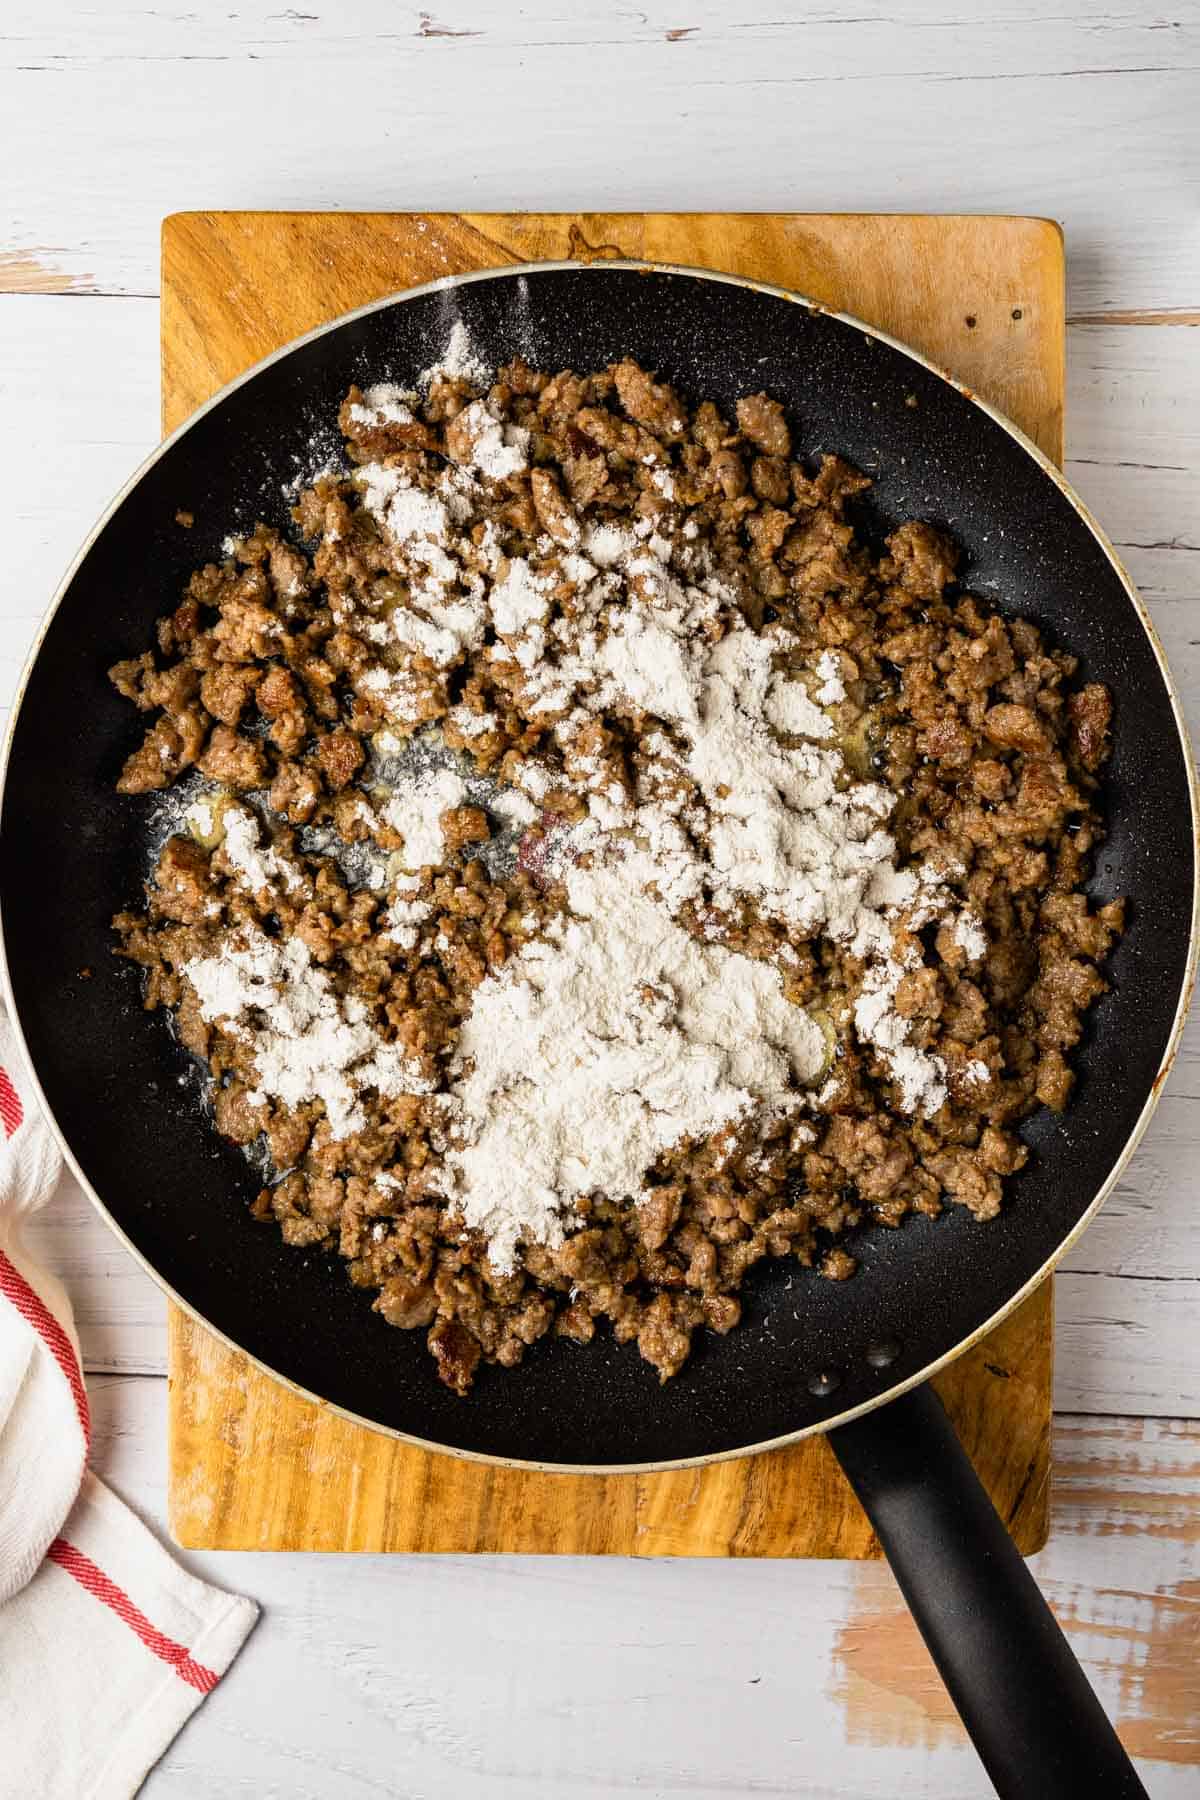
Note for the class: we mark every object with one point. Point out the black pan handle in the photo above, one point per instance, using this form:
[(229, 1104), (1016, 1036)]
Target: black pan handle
[(1023, 1697)]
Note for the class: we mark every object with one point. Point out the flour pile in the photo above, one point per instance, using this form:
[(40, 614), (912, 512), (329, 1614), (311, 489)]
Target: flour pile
[(616, 1039)]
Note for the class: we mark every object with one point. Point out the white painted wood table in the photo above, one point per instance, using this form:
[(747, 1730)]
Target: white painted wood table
[(516, 1679)]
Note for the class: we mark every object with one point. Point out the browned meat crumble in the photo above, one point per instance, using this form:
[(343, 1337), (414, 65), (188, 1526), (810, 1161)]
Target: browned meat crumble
[(260, 681)]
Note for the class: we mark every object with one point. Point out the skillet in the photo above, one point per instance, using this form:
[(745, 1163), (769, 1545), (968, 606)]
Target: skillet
[(811, 1355)]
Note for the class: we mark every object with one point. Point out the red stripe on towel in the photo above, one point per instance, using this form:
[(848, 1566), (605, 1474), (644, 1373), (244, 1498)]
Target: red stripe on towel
[(33, 1309), (11, 1110), (97, 1583)]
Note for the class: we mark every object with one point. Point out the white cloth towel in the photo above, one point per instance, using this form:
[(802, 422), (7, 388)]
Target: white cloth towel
[(106, 1644)]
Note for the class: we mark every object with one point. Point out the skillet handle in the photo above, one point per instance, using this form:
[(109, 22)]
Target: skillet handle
[(1032, 1716)]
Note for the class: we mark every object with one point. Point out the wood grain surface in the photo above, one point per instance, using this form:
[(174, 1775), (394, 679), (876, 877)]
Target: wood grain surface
[(255, 1466), (984, 297), (252, 1466)]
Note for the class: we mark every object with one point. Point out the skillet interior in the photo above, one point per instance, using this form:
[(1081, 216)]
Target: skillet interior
[(74, 854)]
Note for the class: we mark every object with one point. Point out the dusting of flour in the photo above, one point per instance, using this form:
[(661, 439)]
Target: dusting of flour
[(415, 810), (628, 1027), (609, 1042), (459, 358), (309, 1042)]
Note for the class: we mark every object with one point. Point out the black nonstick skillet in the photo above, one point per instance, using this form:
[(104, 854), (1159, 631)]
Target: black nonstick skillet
[(848, 1358)]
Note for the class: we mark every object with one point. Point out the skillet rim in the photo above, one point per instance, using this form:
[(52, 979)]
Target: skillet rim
[(1188, 977)]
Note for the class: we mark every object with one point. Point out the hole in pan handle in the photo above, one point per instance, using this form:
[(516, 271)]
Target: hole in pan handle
[(1027, 1704)]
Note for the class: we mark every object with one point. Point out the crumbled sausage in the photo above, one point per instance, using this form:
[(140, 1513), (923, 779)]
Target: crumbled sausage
[(409, 1304), (1091, 713), (295, 793), (650, 402), (920, 562), (276, 668), (463, 825), (341, 756), (234, 761), (761, 420), (554, 511), (226, 692), (455, 1352), (1015, 728)]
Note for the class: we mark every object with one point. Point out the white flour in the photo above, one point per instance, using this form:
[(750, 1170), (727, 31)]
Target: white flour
[(403, 919), (515, 809), (519, 603), (497, 450), (832, 688), (769, 814), (308, 1042), (199, 818), (920, 1077), (384, 404), (789, 709), (471, 724), (419, 524), (459, 358), (415, 810), (969, 935), (621, 1035), (259, 866), (446, 615), (596, 1050), (395, 691)]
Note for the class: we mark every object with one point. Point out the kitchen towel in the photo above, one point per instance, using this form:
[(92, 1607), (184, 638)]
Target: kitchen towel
[(107, 1646)]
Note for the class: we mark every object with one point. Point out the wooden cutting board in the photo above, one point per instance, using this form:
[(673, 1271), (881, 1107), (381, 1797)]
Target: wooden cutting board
[(254, 1466)]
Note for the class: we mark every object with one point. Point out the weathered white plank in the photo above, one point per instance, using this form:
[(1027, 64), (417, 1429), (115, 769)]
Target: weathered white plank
[(140, 110), (1125, 1343), (1128, 1293), (1133, 451), (1148, 1227), (1133, 436), (79, 405), (120, 1313), (516, 1678)]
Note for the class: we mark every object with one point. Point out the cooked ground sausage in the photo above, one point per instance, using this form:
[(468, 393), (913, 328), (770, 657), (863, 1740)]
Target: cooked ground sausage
[(263, 681)]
